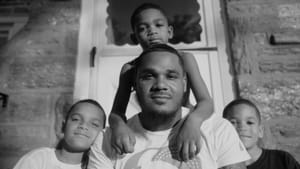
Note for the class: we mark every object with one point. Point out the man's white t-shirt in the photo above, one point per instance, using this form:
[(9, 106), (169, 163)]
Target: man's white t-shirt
[(43, 158), (220, 147)]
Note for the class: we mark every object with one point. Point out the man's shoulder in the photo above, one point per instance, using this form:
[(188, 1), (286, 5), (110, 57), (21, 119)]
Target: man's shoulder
[(215, 123)]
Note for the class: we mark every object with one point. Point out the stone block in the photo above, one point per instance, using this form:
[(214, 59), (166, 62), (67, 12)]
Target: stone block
[(290, 22), (275, 66), (251, 10), (275, 98), (37, 73), (255, 24), (29, 108), (289, 10)]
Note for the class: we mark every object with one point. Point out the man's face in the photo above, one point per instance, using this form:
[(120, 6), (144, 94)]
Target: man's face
[(160, 83)]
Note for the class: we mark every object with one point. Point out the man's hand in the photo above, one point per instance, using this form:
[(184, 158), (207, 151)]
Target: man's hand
[(186, 143), (122, 139)]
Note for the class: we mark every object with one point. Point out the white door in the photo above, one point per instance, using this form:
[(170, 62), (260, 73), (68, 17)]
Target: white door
[(105, 25)]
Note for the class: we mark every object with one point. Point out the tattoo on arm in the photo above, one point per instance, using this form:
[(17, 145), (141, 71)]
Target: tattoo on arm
[(235, 166)]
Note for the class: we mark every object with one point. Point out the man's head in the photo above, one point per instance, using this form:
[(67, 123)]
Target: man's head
[(150, 25), (160, 81), (245, 117)]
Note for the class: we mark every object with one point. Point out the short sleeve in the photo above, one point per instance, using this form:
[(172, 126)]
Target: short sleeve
[(26, 162), (97, 157), (291, 162), (34, 159), (229, 147)]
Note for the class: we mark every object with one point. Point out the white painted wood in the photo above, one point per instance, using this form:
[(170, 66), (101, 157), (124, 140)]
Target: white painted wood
[(82, 74)]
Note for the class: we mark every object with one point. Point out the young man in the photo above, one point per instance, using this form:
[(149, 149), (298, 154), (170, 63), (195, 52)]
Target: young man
[(160, 84)]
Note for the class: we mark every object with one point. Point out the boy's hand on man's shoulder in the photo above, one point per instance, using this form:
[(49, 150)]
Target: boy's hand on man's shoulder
[(122, 139)]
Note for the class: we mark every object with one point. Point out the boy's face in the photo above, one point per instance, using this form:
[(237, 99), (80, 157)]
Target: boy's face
[(160, 83), (83, 126), (151, 27), (247, 124)]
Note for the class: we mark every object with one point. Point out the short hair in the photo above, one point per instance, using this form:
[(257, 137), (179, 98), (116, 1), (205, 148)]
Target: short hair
[(241, 101), (156, 48), (91, 101), (143, 7)]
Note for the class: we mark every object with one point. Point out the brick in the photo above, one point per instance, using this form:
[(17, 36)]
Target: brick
[(275, 97), (290, 22), (272, 66), (252, 10), (29, 108), (35, 73), (289, 10), (255, 24)]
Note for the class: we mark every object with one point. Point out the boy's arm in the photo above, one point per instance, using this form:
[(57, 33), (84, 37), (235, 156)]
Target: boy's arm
[(204, 106), (122, 139), (101, 155), (188, 139)]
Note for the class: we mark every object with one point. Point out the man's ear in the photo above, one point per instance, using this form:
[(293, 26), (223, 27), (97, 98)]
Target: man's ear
[(261, 131), (170, 31), (134, 39), (185, 82)]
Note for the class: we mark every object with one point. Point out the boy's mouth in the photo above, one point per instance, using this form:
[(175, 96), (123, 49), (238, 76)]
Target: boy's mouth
[(155, 41), (80, 134), (244, 136)]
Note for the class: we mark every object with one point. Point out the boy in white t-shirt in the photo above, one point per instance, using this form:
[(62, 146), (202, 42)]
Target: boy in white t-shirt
[(82, 124)]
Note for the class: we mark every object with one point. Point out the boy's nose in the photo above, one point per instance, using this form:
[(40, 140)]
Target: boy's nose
[(152, 30), (241, 126), (83, 126)]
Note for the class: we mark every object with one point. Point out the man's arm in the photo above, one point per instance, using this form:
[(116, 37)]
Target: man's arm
[(235, 166)]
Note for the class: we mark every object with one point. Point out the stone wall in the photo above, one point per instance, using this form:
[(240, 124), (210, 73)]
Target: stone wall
[(37, 71), (265, 41)]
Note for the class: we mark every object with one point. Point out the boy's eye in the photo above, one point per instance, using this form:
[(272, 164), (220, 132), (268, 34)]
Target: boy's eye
[(75, 119), (96, 125), (141, 28), (159, 25), (233, 122), (250, 122)]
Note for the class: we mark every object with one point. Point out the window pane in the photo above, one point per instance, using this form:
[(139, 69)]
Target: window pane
[(183, 16)]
